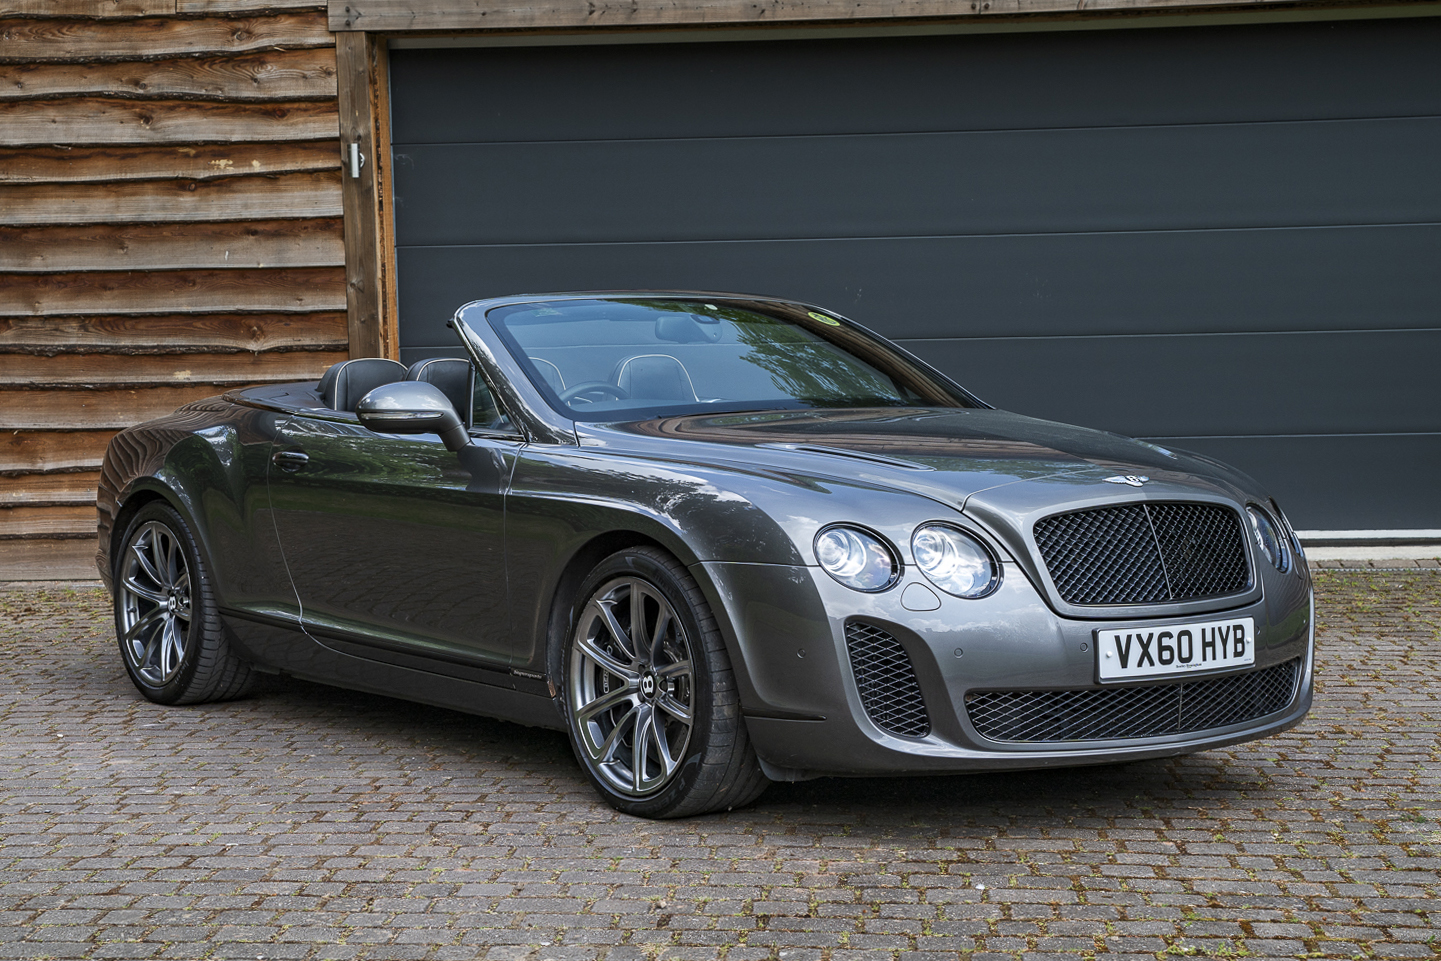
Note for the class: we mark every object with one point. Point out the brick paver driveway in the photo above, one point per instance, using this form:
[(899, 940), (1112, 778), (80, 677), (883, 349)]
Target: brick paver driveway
[(309, 822)]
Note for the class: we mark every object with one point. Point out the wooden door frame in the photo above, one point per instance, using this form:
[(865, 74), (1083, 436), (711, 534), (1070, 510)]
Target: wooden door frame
[(366, 194)]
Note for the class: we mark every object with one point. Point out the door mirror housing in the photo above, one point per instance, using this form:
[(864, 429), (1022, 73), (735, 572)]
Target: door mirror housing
[(412, 407)]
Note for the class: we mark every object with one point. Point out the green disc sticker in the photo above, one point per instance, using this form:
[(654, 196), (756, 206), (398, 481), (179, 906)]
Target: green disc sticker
[(823, 318)]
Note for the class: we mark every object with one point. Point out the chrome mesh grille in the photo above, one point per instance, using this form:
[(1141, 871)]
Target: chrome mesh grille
[(1143, 710), (1144, 553), (887, 681)]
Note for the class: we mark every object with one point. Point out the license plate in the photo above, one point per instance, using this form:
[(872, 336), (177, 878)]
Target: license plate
[(1125, 653)]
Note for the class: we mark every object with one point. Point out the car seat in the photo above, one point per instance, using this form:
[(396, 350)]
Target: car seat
[(455, 378), (549, 373), (346, 382), (655, 377)]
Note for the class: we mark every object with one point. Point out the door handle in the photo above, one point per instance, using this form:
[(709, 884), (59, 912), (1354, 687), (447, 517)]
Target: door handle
[(290, 460)]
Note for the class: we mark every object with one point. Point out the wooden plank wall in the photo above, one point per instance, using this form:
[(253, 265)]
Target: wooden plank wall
[(170, 227)]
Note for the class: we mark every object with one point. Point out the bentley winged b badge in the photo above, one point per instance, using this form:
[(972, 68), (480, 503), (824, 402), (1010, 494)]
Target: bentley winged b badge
[(1133, 480)]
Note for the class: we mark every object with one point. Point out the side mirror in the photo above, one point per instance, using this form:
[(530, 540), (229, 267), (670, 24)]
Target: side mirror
[(412, 407)]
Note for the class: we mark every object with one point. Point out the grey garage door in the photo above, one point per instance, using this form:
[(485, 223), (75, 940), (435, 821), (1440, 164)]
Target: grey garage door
[(1226, 239)]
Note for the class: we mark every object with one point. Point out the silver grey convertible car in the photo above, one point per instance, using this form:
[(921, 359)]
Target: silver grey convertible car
[(719, 540)]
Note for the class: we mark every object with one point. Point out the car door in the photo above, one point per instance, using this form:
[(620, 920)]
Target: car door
[(395, 543)]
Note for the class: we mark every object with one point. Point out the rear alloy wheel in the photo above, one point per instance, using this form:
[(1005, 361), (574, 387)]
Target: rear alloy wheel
[(169, 631), (650, 696)]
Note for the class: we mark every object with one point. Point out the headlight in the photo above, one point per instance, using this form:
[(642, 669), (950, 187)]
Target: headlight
[(857, 559), (954, 561), (1272, 544), (1286, 525)]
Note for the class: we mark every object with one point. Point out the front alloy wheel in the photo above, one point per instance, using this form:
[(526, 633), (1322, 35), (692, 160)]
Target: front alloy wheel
[(650, 697), (633, 687)]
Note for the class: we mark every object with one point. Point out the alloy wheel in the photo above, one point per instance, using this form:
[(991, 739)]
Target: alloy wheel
[(631, 687), (155, 603)]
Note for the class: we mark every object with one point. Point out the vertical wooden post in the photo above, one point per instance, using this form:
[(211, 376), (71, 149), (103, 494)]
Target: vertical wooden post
[(369, 245)]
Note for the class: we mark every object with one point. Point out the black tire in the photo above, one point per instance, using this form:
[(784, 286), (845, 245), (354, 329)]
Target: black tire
[(707, 766), (171, 640)]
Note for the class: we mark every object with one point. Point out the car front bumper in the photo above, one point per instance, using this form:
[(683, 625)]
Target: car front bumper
[(807, 716)]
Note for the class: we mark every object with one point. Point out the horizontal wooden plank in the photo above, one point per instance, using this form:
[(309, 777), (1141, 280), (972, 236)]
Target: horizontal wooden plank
[(86, 8), (84, 39), (97, 120), (226, 6), (174, 333), (167, 292), (20, 165), (46, 490), (407, 15), (70, 559), (27, 521), (266, 75), (103, 370), (160, 201), (23, 451), (262, 243), (90, 410)]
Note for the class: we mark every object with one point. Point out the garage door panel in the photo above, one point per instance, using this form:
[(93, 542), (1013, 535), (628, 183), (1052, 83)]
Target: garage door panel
[(1119, 77), (1137, 178), (1339, 482), (1226, 235), (1180, 282), (1373, 381)]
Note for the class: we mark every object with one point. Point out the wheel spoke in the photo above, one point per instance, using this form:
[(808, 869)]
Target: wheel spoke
[(617, 633), (662, 747), (143, 592), (604, 703), (607, 662), (604, 752), (133, 633), (640, 648), (643, 724), (158, 555), (138, 549), (662, 623), (674, 708), (172, 649), (678, 669)]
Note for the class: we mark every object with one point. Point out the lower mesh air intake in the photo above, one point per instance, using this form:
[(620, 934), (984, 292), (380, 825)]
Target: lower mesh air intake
[(1142, 710)]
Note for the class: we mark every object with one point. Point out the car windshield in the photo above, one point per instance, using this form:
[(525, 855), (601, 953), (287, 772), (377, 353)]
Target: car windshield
[(635, 358)]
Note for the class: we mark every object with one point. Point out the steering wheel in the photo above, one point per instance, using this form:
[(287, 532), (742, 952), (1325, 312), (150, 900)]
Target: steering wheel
[(591, 391)]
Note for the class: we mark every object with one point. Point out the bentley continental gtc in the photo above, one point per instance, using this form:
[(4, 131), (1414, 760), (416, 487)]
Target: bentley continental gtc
[(718, 540)]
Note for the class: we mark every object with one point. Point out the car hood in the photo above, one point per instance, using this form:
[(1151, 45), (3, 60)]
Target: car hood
[(954, 456)]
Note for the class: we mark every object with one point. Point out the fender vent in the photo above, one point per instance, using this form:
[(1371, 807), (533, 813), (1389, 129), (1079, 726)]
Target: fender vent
[(887, 681)]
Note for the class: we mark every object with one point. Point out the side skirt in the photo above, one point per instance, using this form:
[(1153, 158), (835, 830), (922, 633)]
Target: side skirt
[(279, 645)]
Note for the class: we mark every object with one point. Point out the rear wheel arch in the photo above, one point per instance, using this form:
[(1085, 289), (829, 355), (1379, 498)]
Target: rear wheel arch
[(131, 505)]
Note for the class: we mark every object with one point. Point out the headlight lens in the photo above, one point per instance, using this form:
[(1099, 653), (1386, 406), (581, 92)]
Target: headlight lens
[(1272, 544), (856, 558), (954, 561)]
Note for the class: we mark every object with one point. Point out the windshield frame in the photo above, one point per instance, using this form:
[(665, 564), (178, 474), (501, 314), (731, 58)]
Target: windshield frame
[(936, 389)]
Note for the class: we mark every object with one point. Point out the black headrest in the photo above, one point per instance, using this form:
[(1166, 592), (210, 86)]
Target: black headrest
[(345, 383), (454, 377)]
